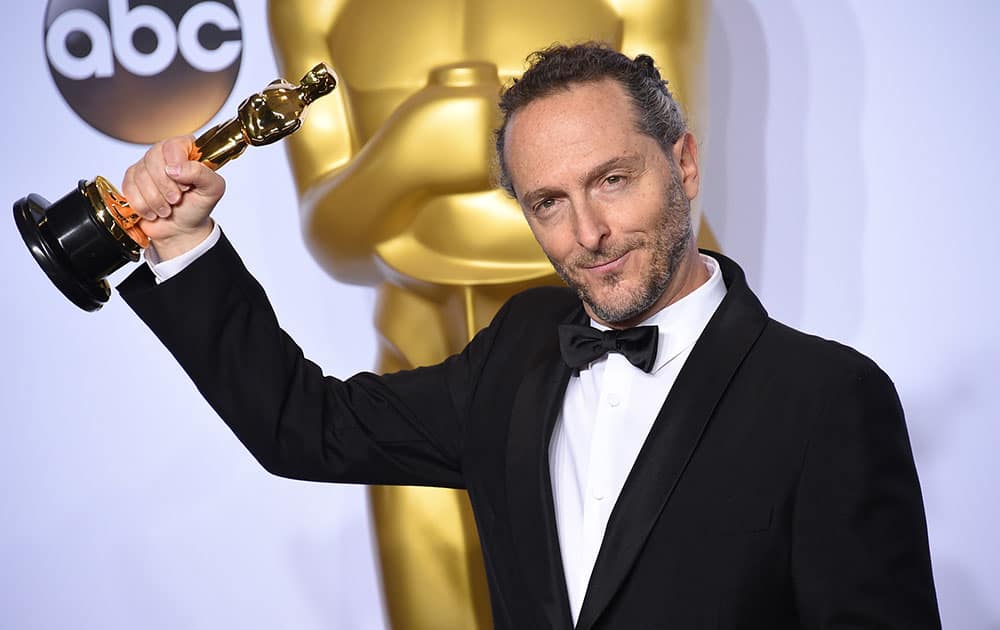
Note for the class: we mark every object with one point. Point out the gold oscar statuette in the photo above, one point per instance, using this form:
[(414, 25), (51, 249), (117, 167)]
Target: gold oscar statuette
[(91, 232)]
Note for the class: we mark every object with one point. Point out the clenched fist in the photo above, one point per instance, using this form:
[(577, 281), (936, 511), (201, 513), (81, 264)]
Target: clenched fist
[(174, 195)]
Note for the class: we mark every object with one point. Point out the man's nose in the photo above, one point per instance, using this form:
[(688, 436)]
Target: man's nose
[(591, 226)]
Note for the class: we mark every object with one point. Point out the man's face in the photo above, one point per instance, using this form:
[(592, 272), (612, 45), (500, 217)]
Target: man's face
[(603, 199)]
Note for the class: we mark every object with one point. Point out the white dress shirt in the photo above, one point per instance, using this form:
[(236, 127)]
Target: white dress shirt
[(606, 414), (166, 269)]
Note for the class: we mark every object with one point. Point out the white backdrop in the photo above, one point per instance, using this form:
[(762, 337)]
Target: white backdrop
[(849, 165)]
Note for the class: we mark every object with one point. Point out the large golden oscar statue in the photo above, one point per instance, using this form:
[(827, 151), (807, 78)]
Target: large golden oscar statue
[(394, 179)]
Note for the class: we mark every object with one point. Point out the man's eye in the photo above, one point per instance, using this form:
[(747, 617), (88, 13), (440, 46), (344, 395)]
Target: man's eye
[(614, 179), (545, 204)]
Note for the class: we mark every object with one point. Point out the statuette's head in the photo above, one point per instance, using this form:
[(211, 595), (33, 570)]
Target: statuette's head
[(317, 82)]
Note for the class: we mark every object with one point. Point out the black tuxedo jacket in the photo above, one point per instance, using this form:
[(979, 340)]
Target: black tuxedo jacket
[(776, 488)]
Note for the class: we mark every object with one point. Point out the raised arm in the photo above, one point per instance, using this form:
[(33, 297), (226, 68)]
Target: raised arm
[(406, 428)]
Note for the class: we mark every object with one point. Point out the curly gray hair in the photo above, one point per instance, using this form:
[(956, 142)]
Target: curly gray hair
[(558, 67)]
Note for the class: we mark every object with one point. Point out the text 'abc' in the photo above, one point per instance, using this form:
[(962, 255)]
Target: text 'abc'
[(115, 40)]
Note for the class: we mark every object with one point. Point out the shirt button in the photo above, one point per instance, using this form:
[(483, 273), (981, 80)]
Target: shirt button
[(599, 495), (613, 400)]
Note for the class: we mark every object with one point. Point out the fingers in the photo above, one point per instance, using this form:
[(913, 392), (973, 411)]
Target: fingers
[(149, 189), (133, 192), (158, 189), (158, 182)]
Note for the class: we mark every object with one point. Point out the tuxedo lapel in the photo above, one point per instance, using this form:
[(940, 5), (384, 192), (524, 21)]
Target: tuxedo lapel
[(529, 485), (674, 437)]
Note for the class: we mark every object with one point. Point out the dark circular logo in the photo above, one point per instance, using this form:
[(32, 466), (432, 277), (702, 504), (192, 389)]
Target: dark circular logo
[(143, 71)]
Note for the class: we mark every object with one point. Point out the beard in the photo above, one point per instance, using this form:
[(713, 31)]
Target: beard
[(666, 244)]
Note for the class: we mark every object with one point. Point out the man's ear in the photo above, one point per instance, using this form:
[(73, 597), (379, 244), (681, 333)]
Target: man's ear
[(685, 156)]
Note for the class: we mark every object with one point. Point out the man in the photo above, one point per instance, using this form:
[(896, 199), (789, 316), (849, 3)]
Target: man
[(682, 461)]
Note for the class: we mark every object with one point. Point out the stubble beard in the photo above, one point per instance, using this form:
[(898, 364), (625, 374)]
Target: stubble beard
[(667, 245)]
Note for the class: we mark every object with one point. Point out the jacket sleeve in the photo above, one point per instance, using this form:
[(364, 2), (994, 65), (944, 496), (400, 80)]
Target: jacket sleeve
[(860, 555), (404, 428)]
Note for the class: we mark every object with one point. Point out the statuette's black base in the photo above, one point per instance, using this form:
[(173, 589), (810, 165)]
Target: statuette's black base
[(72, 245)]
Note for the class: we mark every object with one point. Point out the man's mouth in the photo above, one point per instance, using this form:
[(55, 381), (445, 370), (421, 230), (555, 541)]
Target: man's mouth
[(608, 266)]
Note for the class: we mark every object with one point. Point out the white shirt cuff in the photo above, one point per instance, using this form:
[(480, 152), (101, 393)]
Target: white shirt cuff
[(167, 269)]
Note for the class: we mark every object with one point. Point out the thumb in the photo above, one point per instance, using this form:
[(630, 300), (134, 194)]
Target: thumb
[(178, 149), (196, 177)]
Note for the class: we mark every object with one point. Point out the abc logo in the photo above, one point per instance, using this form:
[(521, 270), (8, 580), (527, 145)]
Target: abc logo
[(142, 71)]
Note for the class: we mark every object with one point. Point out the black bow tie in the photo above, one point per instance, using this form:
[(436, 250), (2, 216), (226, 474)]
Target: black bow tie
[(581, 345)]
